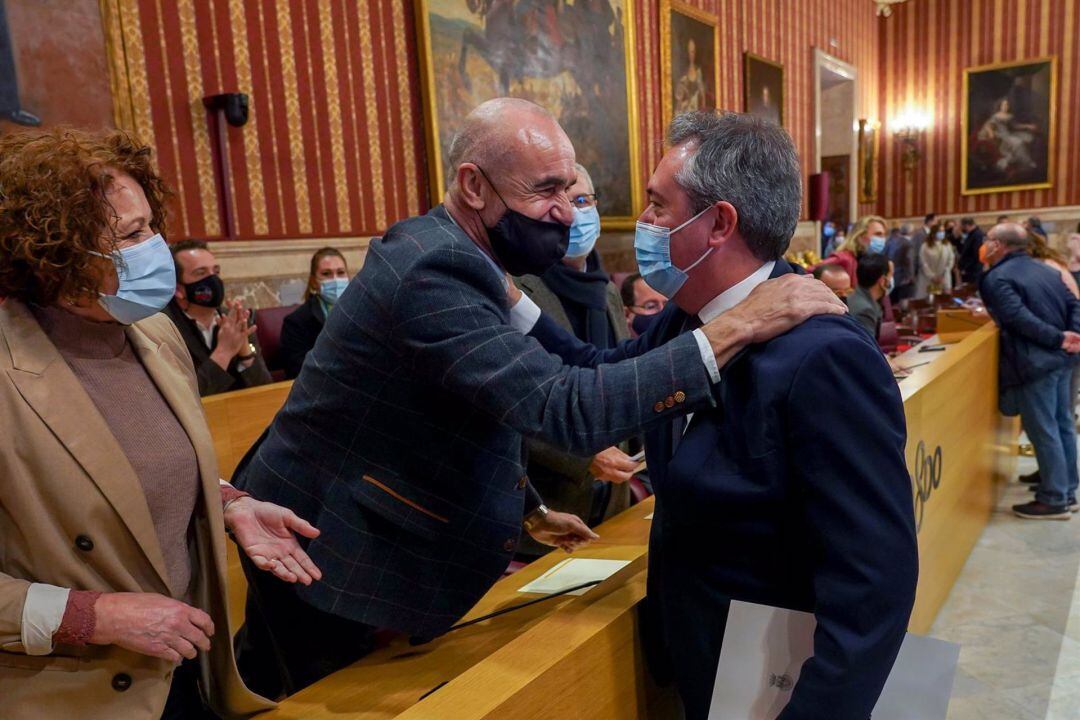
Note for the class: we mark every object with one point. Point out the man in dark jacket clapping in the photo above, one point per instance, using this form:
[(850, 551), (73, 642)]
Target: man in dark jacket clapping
[(1039, 320)]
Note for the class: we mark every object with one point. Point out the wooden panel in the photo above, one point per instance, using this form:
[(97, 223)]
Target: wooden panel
[(238, 418)]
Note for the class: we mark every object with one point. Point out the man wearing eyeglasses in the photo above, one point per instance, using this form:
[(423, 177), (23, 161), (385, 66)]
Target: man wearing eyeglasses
[(643, 304), (578, 295)]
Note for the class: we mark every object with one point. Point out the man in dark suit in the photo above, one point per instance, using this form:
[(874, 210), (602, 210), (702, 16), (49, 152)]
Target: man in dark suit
[(765, 497), (402, 438), (219, 335), (1039, 320), (968, 263), (579, 295)]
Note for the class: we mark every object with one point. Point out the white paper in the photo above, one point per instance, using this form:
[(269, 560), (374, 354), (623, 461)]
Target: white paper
[(571, 572), (649, 516), (764, 649)]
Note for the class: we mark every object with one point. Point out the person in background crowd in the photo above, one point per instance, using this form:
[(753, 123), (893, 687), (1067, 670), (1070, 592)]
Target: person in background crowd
[(828, 232), (328, 278), (642, 304), (578, 295), (835, 278), (1002, 219), (866, 238), (875, 282), (919, 238), (219, 335), (1034, 226), (968, 258), (900, 249), (836, 242), (112, 516), (1073, 245), (936, 262), (1039, 320)]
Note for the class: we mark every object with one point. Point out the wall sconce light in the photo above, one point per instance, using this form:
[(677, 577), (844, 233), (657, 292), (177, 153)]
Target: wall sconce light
[(908, 129)]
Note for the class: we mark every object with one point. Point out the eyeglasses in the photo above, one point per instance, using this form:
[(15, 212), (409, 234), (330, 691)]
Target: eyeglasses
[(585, 200), (650, 307)]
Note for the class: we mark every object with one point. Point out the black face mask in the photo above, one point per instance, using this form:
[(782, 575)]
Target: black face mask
[(525, 246), (208, 292), (642, 323)]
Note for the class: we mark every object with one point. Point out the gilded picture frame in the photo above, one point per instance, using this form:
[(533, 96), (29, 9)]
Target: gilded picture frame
[(690, 66), (475, 50), (763, 87), (1009, 126), (869, 152)]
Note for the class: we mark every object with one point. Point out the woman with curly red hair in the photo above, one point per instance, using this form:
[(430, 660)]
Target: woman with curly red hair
[(112, 518)]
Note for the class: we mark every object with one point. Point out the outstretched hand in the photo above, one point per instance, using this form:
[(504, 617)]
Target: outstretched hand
[(267, 535)]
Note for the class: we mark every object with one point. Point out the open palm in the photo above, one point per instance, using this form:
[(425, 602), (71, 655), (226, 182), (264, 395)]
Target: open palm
[(267, 535)]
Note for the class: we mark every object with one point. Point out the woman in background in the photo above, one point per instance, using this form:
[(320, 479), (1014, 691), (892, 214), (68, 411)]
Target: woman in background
[(936, 261), (328, 278), (868, 236)]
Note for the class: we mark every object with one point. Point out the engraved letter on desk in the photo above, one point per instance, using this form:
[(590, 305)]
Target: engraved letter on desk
[(926, 480)]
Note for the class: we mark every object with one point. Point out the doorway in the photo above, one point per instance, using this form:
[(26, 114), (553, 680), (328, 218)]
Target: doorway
[(835, 125)]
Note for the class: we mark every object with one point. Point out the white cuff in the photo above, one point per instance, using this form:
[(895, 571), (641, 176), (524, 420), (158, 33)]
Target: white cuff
[(42, 614), (524, 314), (707, 356)]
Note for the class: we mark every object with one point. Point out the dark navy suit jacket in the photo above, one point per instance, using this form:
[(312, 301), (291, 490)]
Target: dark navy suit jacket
[(793, 492), (1033, 308), (402, 438)]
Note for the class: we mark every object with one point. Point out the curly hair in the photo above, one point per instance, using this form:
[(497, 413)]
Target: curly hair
[(54, 212)]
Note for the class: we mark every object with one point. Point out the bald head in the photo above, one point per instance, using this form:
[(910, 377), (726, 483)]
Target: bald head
[(498, 132), (1012, 236)]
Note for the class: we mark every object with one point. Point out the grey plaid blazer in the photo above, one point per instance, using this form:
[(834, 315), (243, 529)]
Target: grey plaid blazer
[(402, 438)]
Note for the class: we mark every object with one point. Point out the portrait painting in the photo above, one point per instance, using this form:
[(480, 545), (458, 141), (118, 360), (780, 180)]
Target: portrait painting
[(690, 73), (573, 57), (763, 88), (55, 77), (867, 161), (1009, 126)]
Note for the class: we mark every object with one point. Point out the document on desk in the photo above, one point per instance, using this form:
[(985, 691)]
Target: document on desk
[(764, 650), (571, 572)]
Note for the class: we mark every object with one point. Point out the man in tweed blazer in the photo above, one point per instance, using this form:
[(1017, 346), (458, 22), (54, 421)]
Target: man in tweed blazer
[(402, 438)]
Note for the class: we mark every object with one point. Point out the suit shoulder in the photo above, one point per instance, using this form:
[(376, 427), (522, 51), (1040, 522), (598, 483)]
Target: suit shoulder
[(829, 334)]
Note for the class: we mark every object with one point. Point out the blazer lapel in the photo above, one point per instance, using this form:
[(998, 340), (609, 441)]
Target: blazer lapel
[(48, 386)]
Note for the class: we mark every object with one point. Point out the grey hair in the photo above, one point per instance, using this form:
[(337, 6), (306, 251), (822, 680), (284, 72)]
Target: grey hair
[(907, 229), (748, 162), (1012, 235), (582, 172), (485, 136)]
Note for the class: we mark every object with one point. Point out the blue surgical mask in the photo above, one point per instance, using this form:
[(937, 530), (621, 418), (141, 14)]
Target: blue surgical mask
[(829, 231), (940, 235), (877, 245), (583, 232), (330, 290), (891, 285), (652, 247), (147, 281)]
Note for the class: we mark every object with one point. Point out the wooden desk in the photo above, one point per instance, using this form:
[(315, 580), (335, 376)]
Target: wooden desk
[(955, 325), (238, 418), (570, 657), (958, 453)]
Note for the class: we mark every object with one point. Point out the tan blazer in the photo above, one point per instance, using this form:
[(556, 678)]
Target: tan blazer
[(63, 476)]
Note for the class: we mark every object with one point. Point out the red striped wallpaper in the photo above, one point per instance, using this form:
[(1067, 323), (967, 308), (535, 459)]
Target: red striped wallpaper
[(926, 45), (785, 31)]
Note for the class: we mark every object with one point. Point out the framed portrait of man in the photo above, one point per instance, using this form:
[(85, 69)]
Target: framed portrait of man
[(575, 59), (1009, 126), (763, 88), (867, 160), (690, 73)]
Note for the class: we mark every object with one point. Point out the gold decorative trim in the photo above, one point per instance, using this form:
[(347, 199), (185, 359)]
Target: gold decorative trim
[(252, 156), (284, 23), (378, 194), (204, 162), (427, 75), (337, 138), (1051, 159), (403, 85), (667, 7)]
